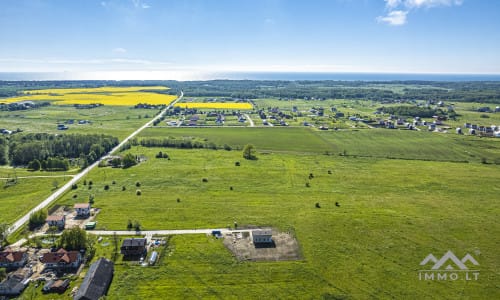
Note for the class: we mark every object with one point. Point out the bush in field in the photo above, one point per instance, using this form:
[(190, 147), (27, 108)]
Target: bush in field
[(138, 192), (249, 152)]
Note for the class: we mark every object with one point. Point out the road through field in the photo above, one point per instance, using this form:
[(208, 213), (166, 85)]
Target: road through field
[(77, 177)]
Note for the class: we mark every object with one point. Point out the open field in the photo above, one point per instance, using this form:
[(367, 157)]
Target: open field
[(388, 199), (16, 200), (392, 214), (117, 121), (127, 96), (381, 143)]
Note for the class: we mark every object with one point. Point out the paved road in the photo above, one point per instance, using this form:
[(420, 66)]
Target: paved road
[(164, 232), (77, 177)]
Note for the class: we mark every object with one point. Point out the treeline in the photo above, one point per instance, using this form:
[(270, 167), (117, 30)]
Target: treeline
[(459, 91), (3, 151), (52, 151), (412, 111), (174, 143)]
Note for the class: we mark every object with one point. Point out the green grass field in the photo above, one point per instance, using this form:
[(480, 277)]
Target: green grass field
[(392, 214), (113, 120), (379, 143), (401, 194)]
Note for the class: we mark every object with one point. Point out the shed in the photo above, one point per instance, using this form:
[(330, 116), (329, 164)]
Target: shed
[(90, 225)]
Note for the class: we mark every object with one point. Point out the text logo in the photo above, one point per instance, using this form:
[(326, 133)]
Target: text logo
[(449, 267)]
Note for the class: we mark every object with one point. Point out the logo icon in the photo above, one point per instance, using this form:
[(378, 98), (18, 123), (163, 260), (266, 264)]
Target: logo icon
[(449, 267)]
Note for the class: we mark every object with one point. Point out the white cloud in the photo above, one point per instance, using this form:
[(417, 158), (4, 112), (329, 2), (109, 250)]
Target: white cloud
[(395, 18), (119, 50), (431, 3), (399, 9), (392, 3)]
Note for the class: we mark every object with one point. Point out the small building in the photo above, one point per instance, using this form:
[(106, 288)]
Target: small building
[(97, 281), (82, 209), (56, 286), (262, 236), (12, 259), (58, 221), (62, 259), (133, 247)]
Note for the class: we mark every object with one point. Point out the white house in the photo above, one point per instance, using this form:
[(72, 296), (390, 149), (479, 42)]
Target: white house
[(82, 209), (58, 221), (262, 236)]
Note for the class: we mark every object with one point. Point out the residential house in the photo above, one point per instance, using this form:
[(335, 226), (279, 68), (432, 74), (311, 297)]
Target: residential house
[(12, 259), (82, 209), (58, 221), (62, 259), (97, 280), (262, 236), (133, 246)]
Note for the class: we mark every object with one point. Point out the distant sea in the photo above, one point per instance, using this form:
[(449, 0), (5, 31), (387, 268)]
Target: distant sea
[(287, 76)]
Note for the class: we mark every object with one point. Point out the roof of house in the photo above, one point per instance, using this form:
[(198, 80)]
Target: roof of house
[(61, 256), (11, 256), (262, 232), (81, 205), (134, 242), (54, 218), (96, 281)]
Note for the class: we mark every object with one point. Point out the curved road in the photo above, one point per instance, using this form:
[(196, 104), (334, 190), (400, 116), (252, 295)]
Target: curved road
[(77, 177)]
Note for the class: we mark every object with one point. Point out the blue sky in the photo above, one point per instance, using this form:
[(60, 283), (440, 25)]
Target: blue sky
[(402, 36)]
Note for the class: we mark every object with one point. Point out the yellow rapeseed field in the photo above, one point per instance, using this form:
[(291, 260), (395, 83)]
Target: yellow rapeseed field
[(119, 96), (215, 105)]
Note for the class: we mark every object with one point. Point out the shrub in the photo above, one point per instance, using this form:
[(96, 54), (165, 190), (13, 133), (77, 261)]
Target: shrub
[(74, 186), (123, 188), (204, 180), (37, 219), (138, 192), (237, 164), (308, 184), (106, 187), (137, 184), (75, 196), (317, 205)]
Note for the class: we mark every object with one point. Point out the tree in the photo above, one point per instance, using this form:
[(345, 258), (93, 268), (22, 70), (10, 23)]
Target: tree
[(129, 160), (37, 219), (34, 165), (73, 239), (249, 152)]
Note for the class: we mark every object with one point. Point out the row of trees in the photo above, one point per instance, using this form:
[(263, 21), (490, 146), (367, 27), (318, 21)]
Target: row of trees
[(50, 164), (175, 143), (412, 111), (26, 148)]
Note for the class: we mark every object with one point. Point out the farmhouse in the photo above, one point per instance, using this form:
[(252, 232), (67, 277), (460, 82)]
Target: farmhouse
[(133, 247), (96, 281), (262, 236), (58, 221), (12, 259), (82, 209), (62, 259)]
